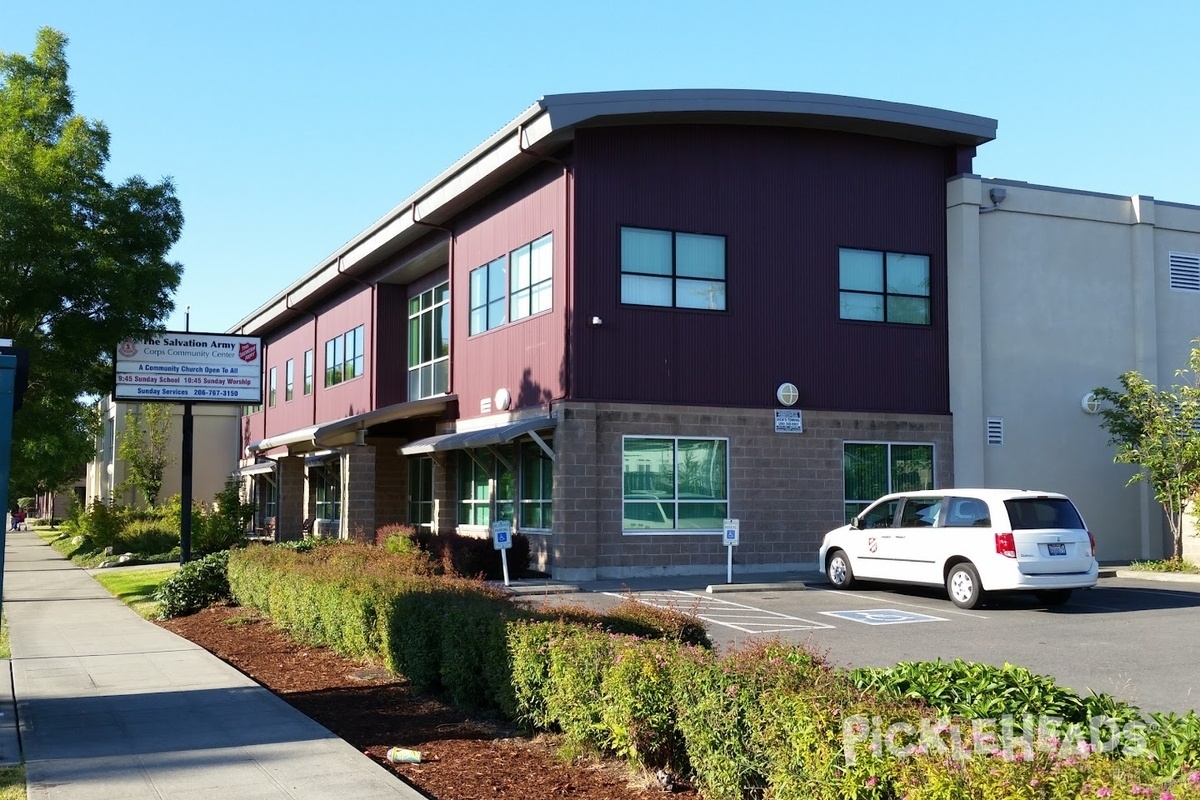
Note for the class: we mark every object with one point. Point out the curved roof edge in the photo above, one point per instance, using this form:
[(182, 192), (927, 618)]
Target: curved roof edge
[(807, 109), (554, 118)]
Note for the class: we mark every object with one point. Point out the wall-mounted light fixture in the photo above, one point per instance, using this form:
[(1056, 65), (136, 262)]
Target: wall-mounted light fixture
[(996, 194), (1090, 403), (787, 394)]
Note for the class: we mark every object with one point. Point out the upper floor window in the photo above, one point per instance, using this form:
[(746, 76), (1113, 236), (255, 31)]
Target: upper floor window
[(884, 287), (532, 267), (344, 357), (488, 306), (666, 268), (271, 384), (512, 287), (308, 372), (429, 343), (289, 379)]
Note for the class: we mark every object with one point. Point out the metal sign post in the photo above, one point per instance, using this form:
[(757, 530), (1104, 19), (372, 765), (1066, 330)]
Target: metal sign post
[(730, 539), (502, 541), (8, 372)]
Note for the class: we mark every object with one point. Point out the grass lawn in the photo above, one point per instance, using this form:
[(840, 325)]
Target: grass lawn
[(136, 587), (12, 783)]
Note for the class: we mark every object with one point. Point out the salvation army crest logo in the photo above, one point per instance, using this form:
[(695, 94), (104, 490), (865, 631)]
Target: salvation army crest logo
[(248, 351), (127, 348)]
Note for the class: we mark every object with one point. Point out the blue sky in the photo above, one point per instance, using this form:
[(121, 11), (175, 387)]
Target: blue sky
[(289, 127)]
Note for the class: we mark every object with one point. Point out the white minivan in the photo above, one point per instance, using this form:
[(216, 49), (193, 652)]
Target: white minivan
[(971, 541)]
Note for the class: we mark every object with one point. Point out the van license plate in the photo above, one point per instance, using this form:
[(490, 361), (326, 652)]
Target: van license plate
[(1057, 549)]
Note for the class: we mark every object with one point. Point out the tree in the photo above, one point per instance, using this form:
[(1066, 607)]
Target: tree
[(83, 262), (145, 447), (1159, 431)]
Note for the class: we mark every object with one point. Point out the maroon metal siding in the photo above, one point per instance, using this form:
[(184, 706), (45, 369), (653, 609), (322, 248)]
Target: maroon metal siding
[(786, 200), (288, 344), (391, 344), (343, 314), (524, 357)]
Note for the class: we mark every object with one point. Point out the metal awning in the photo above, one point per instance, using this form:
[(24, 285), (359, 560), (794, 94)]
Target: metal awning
[(261, 468), (466, 440), (325, 435)]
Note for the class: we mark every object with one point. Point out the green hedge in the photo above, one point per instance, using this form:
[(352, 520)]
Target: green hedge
[(771, 720)]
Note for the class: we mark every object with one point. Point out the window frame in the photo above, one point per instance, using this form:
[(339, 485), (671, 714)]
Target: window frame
[(309, 362), (885, 295), (848, 503), (345, 354), (518, 289), (676, 501), (420, 491), (289, 379), (273, 377), (674, 275), (424, 316), (327, 491), (498, 298)]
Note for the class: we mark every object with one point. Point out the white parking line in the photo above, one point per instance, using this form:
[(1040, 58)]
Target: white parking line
[(939, 609), (725, 613)]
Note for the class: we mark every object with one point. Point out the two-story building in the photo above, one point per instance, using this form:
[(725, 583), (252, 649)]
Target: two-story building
[(628, 316)]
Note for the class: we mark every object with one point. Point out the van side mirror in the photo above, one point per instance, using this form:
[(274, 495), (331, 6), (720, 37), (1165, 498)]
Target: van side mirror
[(854, 523)]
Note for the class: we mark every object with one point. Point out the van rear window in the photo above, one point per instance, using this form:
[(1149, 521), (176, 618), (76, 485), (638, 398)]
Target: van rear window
[(1029, 513)]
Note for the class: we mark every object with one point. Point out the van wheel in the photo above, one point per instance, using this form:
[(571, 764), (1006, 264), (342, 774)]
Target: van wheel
[(963, 586), (838, 570), (1053, 597)]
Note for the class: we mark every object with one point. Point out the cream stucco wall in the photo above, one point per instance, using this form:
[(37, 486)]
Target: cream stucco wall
[(215, 444), (1052, 293)]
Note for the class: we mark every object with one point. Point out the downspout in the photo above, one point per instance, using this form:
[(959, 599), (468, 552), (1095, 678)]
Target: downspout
[(568, 261), (374, 334), (450, 236), (287, 302)]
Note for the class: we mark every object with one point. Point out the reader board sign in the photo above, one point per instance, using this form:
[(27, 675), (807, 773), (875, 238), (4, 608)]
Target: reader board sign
[(189, 367)]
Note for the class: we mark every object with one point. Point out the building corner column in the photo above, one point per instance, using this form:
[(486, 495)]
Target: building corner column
[(1145, 347), (964, 320)]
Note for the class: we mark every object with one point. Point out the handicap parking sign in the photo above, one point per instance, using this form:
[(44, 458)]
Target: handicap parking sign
[(502, 535), (731, 528)]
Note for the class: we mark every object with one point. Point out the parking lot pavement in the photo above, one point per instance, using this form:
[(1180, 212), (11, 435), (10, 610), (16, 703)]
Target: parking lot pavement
[(1129, 637)]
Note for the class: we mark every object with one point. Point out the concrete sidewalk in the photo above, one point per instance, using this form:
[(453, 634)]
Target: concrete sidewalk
[(111, 706)]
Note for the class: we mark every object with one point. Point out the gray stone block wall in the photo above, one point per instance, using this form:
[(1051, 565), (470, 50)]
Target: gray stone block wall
[(290, 519), (785, 488), (358, 493)]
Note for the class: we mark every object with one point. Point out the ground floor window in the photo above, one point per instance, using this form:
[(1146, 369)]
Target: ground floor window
[(420, 491), (326, 480), (675, 484), (537, 488), (517, 479), (474, 487), (872, 469), (264, 494)]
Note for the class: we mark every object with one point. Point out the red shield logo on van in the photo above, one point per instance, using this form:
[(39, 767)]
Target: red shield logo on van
[(247, 351)]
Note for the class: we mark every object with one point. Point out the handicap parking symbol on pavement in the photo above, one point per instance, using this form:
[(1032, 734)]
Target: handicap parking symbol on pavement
[(883, 616)]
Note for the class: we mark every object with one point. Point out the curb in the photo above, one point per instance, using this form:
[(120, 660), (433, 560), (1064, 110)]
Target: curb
[(10, 740), (1165, 577)]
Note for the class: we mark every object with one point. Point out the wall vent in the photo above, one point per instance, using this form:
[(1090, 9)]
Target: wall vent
[(995, 430), (1185, 272)]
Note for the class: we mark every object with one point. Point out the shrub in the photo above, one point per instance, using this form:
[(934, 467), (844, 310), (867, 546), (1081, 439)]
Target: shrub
[(398, 538), (638, 707), (146, 537), (642, 619), (225, 526), (474, 557), (196, 585)]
